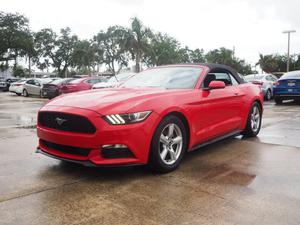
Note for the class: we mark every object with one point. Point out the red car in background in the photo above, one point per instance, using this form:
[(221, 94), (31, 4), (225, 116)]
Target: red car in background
[(81, 84), (154, 117)]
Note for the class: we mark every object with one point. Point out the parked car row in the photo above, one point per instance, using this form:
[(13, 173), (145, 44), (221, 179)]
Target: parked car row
[(52, 87), (5, 84)]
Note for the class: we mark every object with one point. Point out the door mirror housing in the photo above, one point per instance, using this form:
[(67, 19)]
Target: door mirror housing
[(215, 84)]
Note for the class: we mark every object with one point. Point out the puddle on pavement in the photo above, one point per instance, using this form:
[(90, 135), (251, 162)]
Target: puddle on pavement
[(227, 175), (21, 121)]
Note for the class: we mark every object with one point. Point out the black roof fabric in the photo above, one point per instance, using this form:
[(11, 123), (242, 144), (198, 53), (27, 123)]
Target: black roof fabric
[(213, 67)]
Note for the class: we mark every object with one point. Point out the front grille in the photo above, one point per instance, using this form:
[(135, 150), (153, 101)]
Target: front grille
[(66, 149), (66, 122)]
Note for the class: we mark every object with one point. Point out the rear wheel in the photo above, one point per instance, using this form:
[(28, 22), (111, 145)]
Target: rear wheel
[(278, 100), (268, 95), (168, 146), (25, 93), (254, 121)]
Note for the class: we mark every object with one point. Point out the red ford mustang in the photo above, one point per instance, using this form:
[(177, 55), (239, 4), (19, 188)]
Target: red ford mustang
[(155, 117)]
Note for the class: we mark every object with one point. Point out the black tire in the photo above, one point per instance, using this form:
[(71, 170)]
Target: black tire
[(155, 161), (278, 100), (268, 96), (249, 130), (25, 93), (19, 94)]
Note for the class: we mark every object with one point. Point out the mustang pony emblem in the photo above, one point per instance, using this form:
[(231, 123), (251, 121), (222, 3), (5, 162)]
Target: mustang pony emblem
[(60, 121)]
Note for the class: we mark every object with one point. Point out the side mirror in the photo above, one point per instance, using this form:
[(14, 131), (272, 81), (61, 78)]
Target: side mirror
[(216, 85)]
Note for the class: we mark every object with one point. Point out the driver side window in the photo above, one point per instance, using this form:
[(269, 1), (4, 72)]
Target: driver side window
[(224, 76)]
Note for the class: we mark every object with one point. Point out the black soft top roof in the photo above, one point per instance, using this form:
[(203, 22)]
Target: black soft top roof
[(213, 67)]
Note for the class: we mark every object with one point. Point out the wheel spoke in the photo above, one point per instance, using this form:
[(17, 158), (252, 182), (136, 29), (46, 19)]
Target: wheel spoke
[(163, 139), (177, 140), (172, 154), (164, 153), (171, 130)]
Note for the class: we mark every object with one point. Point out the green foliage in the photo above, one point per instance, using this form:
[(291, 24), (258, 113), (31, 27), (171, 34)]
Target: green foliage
[(268, 63), (15, 37), (55, 50), (163, 50), (138, 41), (111, 42), (226, 57), (84, 56), (19, 71)]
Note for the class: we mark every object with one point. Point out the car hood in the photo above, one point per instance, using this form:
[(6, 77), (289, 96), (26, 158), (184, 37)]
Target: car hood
[(105, 84), (113, 100)]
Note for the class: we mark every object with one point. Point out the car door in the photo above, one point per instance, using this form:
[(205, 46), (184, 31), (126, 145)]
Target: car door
[(220, 109), (30, 86), (37, 87)]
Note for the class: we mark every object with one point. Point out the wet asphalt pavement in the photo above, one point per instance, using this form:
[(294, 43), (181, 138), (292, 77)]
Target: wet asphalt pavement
[(236, 181)]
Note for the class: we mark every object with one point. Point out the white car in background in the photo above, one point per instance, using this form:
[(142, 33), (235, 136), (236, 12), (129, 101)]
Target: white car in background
[(114, 81), (34, 86), (17, 87), (266, 81)]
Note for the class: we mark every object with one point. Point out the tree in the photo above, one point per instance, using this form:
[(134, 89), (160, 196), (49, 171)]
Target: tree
[(163, 50), (138, 41), (45, 45), (84, 56), (267, 63), (226, 57), (15, 37), (221, 56), (197, 56), (112, 43), (55, 50)]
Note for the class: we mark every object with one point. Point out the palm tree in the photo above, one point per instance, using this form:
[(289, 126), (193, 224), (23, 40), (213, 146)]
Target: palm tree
[(138, 41), (267, 63)]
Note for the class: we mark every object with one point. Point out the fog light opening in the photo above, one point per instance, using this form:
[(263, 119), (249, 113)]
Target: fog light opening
[(118, 146), (116, 151)]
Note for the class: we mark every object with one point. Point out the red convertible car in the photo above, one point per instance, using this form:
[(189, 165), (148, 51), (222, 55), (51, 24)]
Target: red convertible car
[(153, 118)]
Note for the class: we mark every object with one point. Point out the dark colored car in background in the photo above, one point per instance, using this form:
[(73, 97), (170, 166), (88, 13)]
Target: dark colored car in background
[(5, 84), (287, 87), (81, 84), (53, 89)]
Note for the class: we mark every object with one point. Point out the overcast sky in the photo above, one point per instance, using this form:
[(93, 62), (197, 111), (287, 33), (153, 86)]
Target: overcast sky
[(251, 26)]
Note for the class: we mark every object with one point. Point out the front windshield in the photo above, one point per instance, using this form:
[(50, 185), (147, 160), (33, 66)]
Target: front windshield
[(76, 81), (294, 74), (250, 78), (120, 77), (166, 77), (58, 81)]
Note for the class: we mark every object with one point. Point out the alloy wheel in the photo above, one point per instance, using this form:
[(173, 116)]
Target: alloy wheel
[(170, 144), (255, 119)]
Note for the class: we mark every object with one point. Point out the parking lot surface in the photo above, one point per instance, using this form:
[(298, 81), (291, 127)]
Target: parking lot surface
[(236, 181)]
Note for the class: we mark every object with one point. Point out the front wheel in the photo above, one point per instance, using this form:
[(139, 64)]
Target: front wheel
[(168, 146), (268, 95), (254, 121), (25, 93)]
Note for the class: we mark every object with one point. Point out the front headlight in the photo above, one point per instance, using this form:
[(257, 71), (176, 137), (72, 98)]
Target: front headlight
[(119, 119)]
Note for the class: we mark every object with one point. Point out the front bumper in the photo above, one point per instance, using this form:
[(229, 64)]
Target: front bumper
[(137, 137)]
